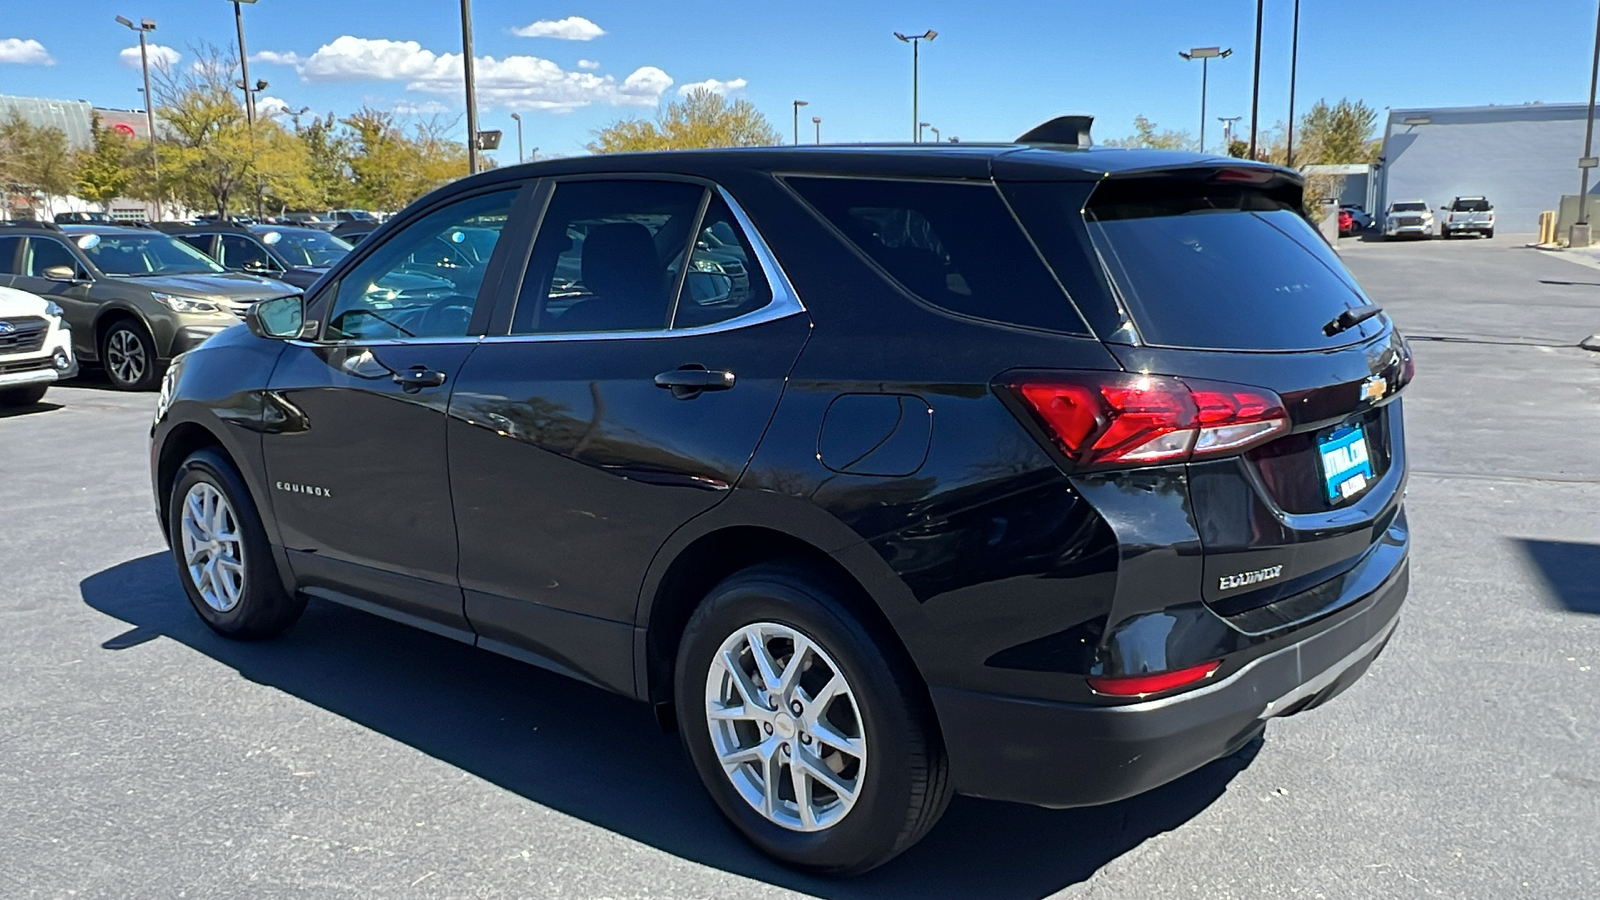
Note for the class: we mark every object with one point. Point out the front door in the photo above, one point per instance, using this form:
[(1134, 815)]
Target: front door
[(355, 442), (626, 399)]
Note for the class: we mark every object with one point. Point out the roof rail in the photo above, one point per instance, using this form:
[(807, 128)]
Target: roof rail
[(30, 223), (1073, 131)]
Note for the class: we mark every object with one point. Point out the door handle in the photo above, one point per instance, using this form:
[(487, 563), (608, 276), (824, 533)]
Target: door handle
[(689, 382), (418, 377)]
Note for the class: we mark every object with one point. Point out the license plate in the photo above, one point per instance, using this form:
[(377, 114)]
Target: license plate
[(1346, 462)]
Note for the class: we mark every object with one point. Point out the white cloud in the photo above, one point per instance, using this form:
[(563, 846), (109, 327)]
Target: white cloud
[(588, 64), (572, 28), (25, 52), (161, 57), (714, 86), (271, 106), (278, 58), (425, 108), (513, 82)]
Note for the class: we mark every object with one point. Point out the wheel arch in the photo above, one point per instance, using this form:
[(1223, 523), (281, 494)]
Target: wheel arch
[(118, 312), (679, 581)]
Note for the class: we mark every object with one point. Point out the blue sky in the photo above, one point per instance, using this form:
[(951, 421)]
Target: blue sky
[(994, 71)]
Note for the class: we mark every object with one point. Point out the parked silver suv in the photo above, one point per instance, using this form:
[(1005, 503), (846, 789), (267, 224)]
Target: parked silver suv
[(1467, 215)]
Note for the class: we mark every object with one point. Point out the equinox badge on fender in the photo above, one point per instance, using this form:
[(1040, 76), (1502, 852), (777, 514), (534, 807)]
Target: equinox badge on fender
[(311, 489), (1231, 582)]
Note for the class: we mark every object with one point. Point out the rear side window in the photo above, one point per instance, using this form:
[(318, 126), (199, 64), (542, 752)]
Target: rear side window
[(955, 245), (1221, 267)]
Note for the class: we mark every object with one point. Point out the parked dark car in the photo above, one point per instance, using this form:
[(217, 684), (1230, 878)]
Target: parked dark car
[(292, 254), (354, 230), (84, 218), (1032, 472), (134, 297)]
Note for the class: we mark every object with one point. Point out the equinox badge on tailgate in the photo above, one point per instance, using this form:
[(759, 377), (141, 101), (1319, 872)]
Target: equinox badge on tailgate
[(1231, 582)]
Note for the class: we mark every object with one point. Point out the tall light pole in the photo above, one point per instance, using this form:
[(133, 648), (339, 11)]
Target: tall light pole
[(1294, 67), (920, 126), (472, 92), (817, 121), (1588, 148), (295, 115), (1205, 55), (935, 133), (1227, 132), (1255, 85), (915, 40), (244, 63), (797, 105), (144, 27), (518, 117)]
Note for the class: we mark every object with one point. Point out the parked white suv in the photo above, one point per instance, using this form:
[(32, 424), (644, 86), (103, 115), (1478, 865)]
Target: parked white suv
[(35, 347), (1411, 218), (1467, 215)]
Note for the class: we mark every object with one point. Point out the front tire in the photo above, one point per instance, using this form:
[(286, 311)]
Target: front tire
[(224, 560), (129, 357), (23, 396), (815, 740)]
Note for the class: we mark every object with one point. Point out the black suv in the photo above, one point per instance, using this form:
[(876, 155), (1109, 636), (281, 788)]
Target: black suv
[(134, 297), (1027, 471), (292, 254)]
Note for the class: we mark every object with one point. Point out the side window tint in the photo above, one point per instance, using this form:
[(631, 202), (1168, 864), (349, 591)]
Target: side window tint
[(238, 252), (954, 245), (608, 257), (423, 280), (45, 253), (724, 278), (201, 242), (8, 254)]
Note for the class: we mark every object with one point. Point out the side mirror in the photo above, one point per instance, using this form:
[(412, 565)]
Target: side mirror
[(61, 273), (280, 318), (709, 288)]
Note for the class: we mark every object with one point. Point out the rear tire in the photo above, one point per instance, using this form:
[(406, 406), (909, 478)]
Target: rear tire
[(224, 559), (1488, 235), (850, 691), (23, 396), (1444, 233), (129, 356)]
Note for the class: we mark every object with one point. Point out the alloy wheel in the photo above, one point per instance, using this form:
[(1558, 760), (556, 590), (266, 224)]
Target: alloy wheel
[(125, 356), (213, 551), (786, 727)]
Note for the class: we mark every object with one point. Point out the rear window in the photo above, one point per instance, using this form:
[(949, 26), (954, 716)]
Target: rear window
[(1220, 267), (1477, 205), (953, 244)]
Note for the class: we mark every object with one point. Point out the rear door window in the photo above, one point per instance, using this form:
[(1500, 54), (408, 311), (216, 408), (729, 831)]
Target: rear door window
[(955, 245), (1221, 267)]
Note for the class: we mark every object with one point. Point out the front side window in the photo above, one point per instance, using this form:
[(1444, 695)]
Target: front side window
[(8, 254), (422, 281), (609, 257), (134, 255), (308, 248), (47, 253), (239, 252), (955, 245), (1409, 207)]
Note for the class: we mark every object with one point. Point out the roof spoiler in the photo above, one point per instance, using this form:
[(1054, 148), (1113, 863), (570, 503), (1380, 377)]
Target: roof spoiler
[(1070, 130)]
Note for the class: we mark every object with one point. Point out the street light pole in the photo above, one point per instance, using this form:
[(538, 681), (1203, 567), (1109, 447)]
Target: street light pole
[(1588, 135), (1205, 55), (935, 133), (518, 117), (244, 63), (472, 93), (797, 105), (915, 40), (817, 121), (1227, 132), (144, 27), (1255, 86), (1294, 68)]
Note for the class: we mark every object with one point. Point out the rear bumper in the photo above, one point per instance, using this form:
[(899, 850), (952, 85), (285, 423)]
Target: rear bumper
[(1068, 754)]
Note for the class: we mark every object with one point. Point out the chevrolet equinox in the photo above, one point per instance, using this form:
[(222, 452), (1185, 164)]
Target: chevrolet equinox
[(1037, 471)]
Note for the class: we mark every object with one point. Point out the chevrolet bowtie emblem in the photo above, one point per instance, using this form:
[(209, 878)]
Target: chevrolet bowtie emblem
[(1374, 388)]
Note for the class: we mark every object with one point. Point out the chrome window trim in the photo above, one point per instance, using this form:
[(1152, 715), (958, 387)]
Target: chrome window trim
[(785, 300)]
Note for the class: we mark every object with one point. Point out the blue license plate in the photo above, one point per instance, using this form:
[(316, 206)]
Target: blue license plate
[(1346, 462)]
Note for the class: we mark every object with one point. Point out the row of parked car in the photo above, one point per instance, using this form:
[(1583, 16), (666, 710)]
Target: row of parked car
[(128, 297), (1415, 219)]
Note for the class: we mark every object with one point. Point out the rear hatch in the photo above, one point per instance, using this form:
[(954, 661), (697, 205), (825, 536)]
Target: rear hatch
[(1474, 213), (1218, 279)]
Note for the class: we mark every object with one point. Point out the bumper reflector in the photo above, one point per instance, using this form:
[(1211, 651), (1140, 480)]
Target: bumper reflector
[(1139, 685)]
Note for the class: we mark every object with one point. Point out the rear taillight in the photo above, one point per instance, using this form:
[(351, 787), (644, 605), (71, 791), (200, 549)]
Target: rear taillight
[(1105, 419), (1140, 685)]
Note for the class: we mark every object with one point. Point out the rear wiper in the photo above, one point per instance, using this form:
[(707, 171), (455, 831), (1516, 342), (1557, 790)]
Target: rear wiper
[(1350, 318)]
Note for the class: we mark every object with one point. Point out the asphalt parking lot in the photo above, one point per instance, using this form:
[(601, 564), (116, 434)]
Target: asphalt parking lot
[(141, 756)]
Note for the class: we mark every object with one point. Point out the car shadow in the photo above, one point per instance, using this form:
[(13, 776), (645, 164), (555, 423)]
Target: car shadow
[(1569, 571), (43, 406), (597, 756)]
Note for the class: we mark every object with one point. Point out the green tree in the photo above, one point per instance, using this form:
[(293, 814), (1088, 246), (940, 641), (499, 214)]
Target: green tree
[(1341, 133), (390, 167), (207, 151), (103, 168), (328, 150), (701, 119), (1146, 135), (35, 159)]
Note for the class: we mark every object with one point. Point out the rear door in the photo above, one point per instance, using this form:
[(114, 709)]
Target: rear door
[(1215, 275), (626, 397)]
